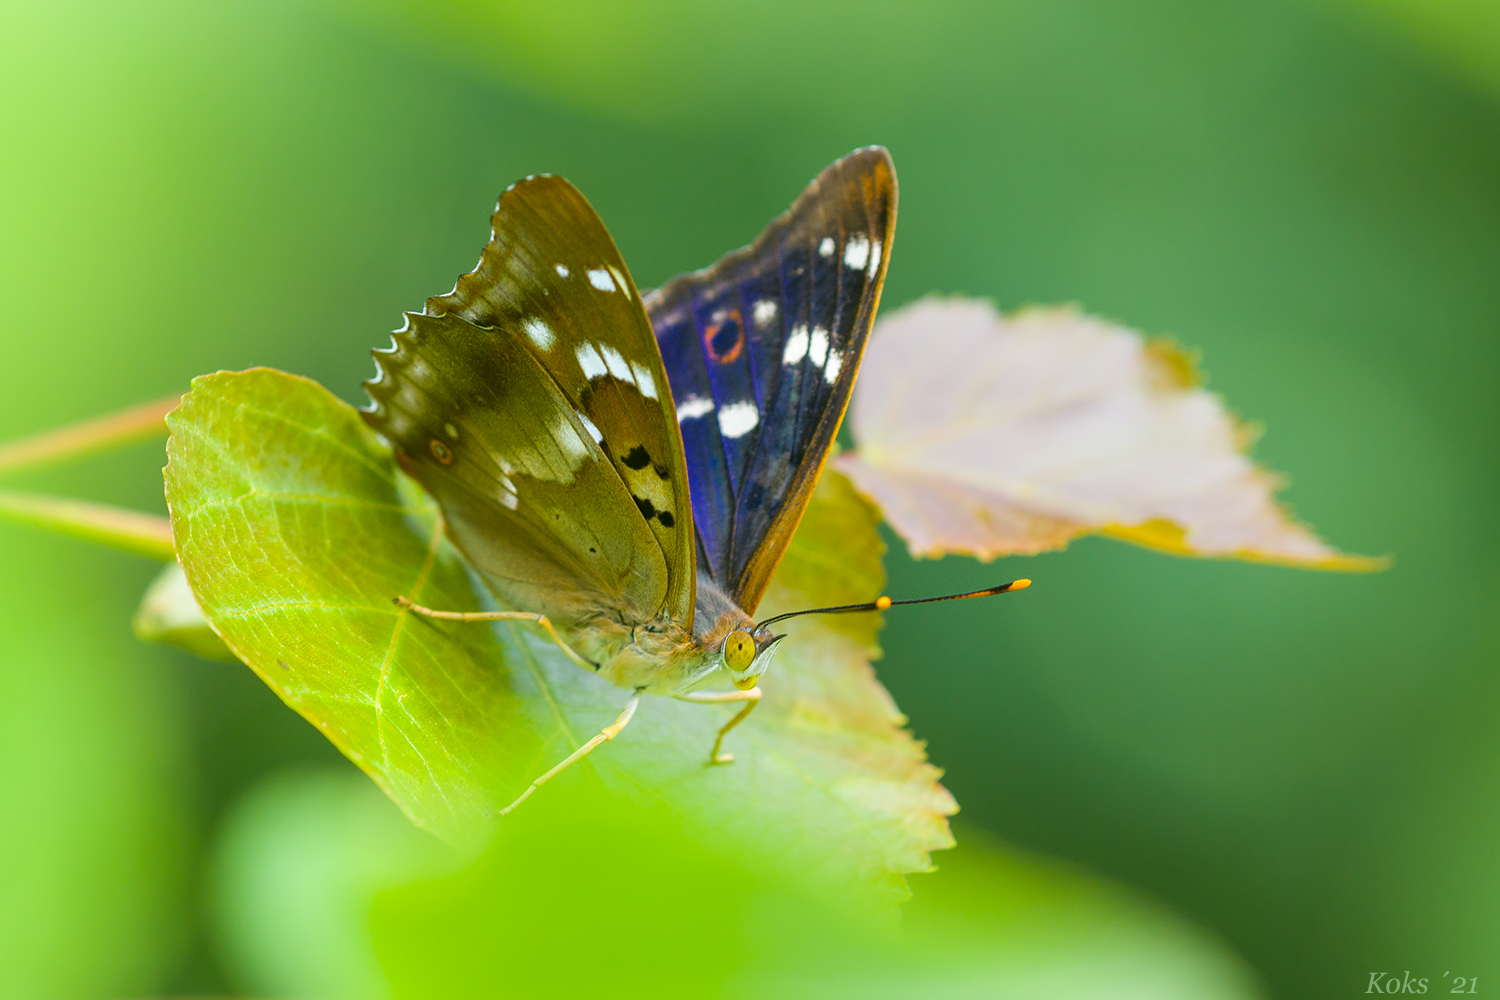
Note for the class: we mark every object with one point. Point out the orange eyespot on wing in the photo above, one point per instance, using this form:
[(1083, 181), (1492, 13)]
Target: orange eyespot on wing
[(739, 650), (724, 339)]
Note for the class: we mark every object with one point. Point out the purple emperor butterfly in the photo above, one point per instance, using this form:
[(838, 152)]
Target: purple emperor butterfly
[(627, 471)]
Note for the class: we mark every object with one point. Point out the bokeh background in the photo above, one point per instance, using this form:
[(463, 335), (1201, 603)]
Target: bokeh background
[(1305, 766)]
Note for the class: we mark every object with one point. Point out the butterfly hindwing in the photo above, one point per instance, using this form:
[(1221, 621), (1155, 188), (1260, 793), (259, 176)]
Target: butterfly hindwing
[(552, 281), (528, 496), (762, 349)]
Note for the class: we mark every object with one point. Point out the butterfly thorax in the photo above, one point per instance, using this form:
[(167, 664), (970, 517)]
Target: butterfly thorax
[(664, 657), (660, 656)]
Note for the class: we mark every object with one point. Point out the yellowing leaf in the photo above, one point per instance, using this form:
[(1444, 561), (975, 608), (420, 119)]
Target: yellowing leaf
[(295, 532), (995, 435)]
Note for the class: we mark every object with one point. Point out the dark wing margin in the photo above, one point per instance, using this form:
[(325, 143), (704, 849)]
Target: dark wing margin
[(761, 351), (551, 284)]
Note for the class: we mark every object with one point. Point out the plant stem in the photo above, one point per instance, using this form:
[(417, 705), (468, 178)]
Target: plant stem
[(138, 423), (147, 535)]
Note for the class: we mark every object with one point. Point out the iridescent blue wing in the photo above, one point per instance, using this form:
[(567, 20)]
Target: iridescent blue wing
[(761, 350)]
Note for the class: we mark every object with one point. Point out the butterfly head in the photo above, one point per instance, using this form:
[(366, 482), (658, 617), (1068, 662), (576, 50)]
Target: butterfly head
[(747, 653)]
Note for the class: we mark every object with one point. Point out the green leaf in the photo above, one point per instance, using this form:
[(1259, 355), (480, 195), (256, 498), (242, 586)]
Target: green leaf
[(294, 539), (295, 532), (169, 614)]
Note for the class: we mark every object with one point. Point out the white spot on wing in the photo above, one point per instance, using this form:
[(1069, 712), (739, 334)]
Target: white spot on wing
[(562, 270), (817, 352), (452, 431), (694, 407), (857, 252), (600, 279), (825, 249), (590, 426), (835, 363), (539, 332), (644, 379), (796, 346), (738, 419), (765, 311), (874, 257), (616, 362), (589, 360), (620, 282), (408, 398)]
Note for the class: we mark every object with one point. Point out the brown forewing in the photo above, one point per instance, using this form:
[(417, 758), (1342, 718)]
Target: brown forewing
[(553, 282)]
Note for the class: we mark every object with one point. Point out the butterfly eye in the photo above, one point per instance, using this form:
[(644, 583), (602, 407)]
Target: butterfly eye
[(739, 650), (441, 452)]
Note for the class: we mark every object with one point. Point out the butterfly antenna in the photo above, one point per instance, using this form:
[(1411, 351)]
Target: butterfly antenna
[(881, 603)]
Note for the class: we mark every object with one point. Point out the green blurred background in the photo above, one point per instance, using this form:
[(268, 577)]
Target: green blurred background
[(1305, 765)]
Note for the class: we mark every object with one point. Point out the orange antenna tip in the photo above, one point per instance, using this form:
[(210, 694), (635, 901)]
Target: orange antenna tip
[(1021, 584), (882, 603)]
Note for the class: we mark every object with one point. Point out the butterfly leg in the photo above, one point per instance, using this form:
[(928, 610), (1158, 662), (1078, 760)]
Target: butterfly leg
[(751, 697), (608, 733), (499, 616)]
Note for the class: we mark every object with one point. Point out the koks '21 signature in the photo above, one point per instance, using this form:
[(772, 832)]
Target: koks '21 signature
[(1389, 982)]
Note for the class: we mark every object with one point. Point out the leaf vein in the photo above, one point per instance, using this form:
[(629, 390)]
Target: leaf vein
[(390, 653)]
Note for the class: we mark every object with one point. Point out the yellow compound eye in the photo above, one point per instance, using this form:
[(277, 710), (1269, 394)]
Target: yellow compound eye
[(739, 650)]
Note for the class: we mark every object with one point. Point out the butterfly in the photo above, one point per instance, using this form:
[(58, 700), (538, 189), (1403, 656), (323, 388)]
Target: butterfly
[(626, 470)]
